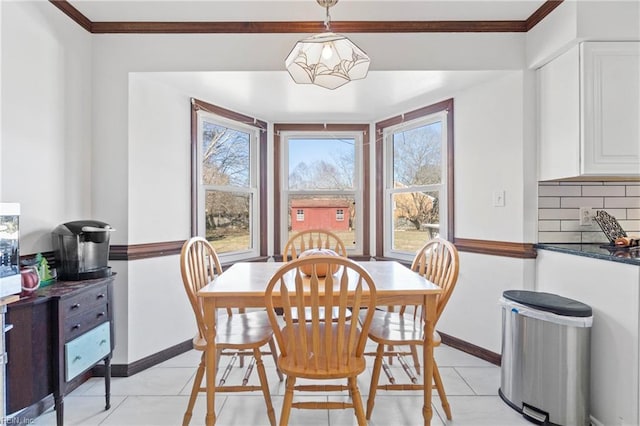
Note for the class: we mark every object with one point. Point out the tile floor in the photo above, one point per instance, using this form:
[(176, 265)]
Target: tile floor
[(159, 395)]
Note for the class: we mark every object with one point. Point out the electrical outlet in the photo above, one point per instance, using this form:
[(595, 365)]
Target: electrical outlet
[(586, 216)]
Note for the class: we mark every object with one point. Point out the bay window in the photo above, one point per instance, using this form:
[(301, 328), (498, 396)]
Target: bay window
[(226, 198), (416, 190)]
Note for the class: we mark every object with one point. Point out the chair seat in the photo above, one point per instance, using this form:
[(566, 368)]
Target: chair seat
[(239, 331), (327, 368), (391, 328)]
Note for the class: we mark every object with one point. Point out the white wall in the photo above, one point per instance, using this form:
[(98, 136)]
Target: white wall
[(46, 119), (159, 151), (491, 153), (489, 157), (158, 312)]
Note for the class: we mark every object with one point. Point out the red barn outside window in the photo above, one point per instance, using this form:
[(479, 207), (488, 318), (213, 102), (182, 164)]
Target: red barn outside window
[(319, 213)]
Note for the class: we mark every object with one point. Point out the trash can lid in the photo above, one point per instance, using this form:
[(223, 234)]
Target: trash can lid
[(549, 302)]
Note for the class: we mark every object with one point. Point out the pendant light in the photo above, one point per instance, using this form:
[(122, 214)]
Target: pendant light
[(327, 59)]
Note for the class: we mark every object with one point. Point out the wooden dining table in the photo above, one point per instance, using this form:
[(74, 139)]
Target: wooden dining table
[(243, 286)]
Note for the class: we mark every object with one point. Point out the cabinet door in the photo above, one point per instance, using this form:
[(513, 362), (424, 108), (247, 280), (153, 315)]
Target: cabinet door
[(559, 88), (30, 363), (611, 108)]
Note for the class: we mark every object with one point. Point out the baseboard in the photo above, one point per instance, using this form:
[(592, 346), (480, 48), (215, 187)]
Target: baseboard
[(126, 370), (471, 349)]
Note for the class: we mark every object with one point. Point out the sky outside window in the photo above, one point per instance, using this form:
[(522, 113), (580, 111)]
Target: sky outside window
[(321, 163)]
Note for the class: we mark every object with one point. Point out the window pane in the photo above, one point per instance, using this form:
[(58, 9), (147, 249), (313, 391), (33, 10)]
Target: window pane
[(321, 213), (228, 220), (417, 156), (321, 163), (416, 219), (225, 156)]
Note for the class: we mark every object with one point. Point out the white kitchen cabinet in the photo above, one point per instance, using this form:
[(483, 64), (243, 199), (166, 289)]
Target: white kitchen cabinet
[(589, 109)]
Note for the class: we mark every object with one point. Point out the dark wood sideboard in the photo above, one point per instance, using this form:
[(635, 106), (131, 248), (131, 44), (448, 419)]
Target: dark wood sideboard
[(58, 335)]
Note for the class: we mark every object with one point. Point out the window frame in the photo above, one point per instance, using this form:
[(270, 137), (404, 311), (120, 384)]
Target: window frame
[(257, 187), (362, 193), (384, 167)]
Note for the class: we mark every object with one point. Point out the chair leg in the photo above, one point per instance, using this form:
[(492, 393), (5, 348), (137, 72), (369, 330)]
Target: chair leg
[(274, 353), (440, 388), (356, 398), (375, 376), (416, 358), (264, 384), (218, 356), (288, 400), (197, 382)]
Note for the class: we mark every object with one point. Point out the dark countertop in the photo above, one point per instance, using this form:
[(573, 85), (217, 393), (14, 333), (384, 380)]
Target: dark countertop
[(59, 289), (596, 251)]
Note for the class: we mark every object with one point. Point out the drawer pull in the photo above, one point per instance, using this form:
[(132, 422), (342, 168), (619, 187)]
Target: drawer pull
[(75, 327), (75, 306), (100, 315), (100, 296)]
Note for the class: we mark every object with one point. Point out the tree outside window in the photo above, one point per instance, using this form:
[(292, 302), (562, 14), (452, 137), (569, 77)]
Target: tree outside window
[(228, 210), (417, 179)]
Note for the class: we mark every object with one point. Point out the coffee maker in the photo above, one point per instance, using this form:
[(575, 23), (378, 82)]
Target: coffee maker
[(81, 250)]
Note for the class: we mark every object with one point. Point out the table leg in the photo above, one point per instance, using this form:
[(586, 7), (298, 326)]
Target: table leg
[(210, 359), (427, 362)]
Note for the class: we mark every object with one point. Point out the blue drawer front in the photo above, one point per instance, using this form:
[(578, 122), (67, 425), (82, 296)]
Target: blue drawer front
[(87, 350)]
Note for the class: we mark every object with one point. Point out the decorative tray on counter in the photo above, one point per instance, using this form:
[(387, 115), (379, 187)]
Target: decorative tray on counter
[(610, 226), (620, 245)]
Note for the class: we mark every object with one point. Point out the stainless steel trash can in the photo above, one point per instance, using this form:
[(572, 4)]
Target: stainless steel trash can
[(546, 354)]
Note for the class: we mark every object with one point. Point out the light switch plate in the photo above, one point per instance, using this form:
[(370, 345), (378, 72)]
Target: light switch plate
[(498, 198)]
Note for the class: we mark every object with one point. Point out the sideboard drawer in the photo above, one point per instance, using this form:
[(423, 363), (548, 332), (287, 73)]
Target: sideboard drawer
[(85, 351), (84, 321), (79, 303)]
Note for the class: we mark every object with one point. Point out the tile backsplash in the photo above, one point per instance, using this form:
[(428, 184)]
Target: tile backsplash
[(559, 206)]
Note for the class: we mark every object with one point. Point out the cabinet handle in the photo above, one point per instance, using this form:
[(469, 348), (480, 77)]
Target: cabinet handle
[(75, 327), (75, 306), (103, 341), (100, 314), (100, 296), (77, 358)]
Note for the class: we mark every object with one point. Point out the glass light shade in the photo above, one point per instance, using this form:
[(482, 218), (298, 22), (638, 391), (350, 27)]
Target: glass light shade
[(328, 60)]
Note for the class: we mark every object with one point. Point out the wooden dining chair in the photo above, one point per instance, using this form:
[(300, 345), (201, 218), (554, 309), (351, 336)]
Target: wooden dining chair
[(438, 262), (316, 241), (312, 239), (313, 348), (237, 334)]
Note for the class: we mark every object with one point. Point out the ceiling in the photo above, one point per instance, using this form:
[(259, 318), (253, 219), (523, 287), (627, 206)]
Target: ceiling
[(252, 93)]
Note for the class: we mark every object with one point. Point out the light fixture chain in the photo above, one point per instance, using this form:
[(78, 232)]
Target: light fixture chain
[(327, 4), (327, 20)]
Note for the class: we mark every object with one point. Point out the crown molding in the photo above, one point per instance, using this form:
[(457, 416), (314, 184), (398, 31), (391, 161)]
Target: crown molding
[(280, 27)]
